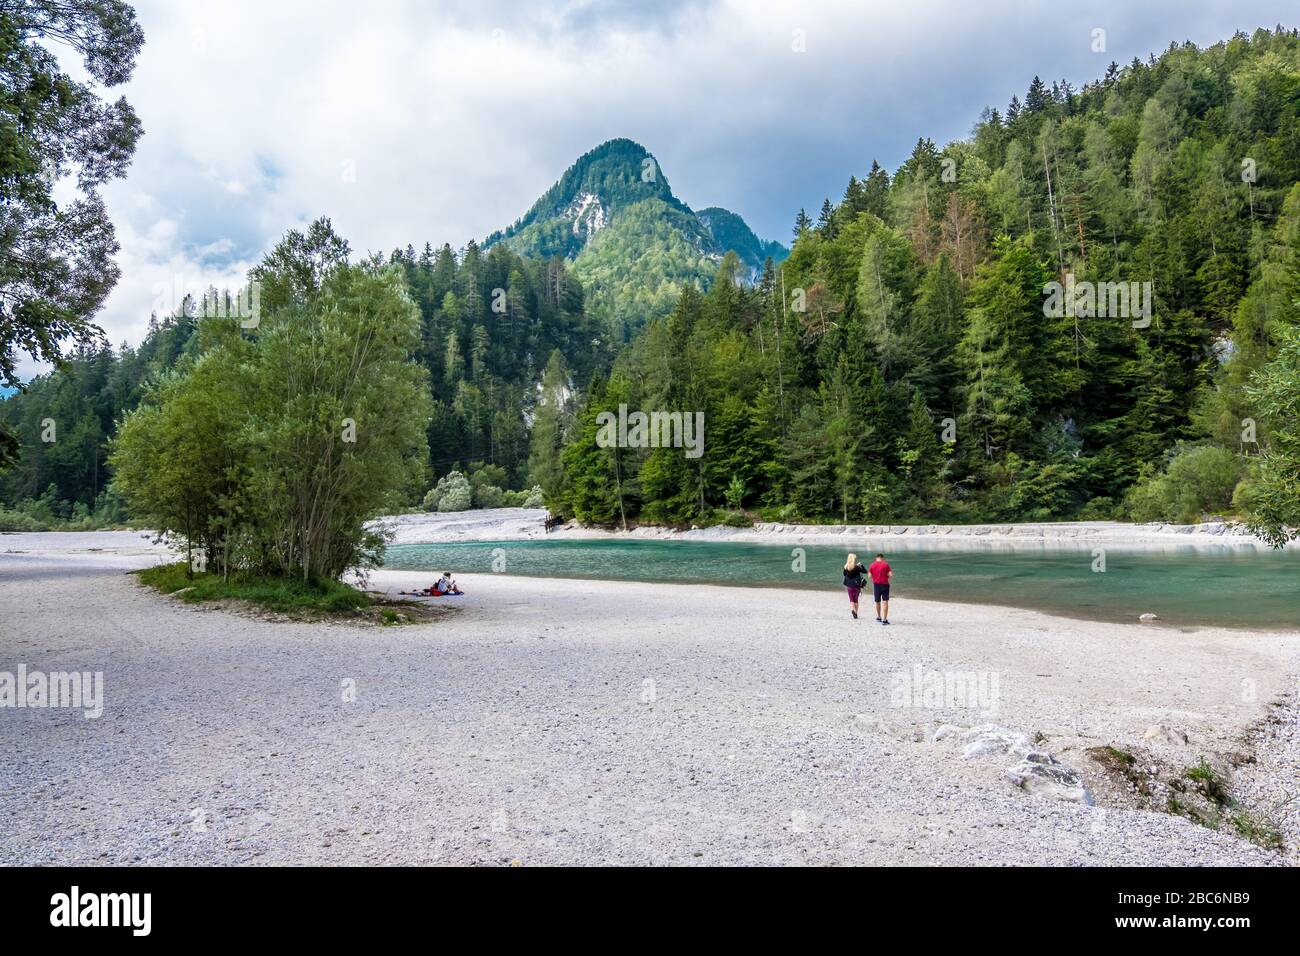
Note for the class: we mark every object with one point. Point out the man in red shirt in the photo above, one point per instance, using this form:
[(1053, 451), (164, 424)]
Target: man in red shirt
[(881, 574)]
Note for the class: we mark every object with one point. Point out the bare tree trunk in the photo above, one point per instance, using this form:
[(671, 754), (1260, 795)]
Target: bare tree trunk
[(618, 482), (1051, 203), (780, 369)]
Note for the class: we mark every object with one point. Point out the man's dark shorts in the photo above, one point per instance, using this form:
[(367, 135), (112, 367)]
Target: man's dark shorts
[(882, 592)]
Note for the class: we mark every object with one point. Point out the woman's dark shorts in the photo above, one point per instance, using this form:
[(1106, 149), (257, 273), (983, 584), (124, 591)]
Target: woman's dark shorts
[(853, 594)]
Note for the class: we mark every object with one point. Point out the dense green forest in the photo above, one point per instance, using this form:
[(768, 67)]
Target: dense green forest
[(903, 364), (900, 366), (489, 323)]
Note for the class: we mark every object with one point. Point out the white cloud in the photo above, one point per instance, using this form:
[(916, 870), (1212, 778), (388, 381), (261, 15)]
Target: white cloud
[(158, 271)]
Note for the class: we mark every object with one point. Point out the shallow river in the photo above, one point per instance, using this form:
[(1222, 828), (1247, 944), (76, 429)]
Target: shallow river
[(1184, 586)]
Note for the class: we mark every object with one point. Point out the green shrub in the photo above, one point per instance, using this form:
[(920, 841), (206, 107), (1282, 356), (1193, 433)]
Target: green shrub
[(783, 514), (452, 493), (1200, 479), (1209, 782), (875, 500), (20, 521), (274, 451), (1274, 513), (1258, 829), (1035, 490), (48, 513), (1148, 499), (488, 496), (485, 484), (735, 493), (1203, 480), (1098, 509)]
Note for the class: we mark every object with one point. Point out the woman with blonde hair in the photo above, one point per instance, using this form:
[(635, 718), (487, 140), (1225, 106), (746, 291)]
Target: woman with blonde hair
[(853, 581)]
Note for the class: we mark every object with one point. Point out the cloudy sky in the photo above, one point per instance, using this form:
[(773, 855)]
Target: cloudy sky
[(409, 122)]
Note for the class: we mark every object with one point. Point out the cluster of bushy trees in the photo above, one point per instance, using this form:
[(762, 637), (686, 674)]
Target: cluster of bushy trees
[(269, 450), (481, 488)]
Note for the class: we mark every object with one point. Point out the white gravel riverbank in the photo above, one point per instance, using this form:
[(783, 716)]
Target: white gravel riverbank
[(510, 524), (550, 721)]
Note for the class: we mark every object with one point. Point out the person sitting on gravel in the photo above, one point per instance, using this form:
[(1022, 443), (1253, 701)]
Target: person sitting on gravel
[(442, 587), (447, 585)]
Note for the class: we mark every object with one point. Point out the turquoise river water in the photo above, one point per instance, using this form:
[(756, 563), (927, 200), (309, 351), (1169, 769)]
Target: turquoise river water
[(1185, 586)]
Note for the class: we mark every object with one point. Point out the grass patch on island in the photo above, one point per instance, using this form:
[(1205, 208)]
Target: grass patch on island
[(296, 598), (274, 594)]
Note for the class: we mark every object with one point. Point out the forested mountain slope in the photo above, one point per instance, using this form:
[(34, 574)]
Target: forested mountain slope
[(911, 360), (633, 244)]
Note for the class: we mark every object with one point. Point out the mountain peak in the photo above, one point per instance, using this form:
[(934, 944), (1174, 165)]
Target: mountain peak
[(731, 232), (613, 214), (589, 196)]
